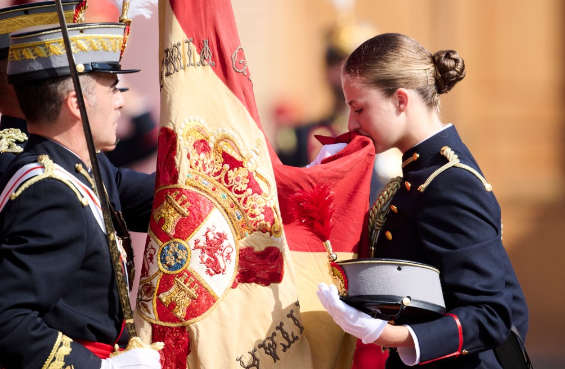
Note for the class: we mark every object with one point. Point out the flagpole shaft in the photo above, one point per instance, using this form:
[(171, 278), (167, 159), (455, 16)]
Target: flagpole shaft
[(98, 184)]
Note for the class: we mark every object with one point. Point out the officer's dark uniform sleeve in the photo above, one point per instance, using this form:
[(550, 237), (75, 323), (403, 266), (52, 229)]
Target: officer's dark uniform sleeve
[(39, 253), (135, 191), (459, 225)]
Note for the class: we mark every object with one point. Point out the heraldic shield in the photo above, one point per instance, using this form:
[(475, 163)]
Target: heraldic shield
[(192, 255)]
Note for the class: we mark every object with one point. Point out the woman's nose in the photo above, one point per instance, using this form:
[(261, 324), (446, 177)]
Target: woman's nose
[(352, 124)]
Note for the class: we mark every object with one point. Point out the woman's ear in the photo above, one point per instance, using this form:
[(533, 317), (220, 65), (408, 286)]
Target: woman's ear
[(402, 98)]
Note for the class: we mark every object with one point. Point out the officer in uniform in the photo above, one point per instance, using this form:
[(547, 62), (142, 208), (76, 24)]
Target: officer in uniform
[(440, 212), (59, 302), (13, 129)]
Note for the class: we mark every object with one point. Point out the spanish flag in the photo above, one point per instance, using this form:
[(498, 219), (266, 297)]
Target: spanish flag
[(223, 283), (216, 284)]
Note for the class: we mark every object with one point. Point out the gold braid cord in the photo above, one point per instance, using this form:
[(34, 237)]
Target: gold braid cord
[(379, 211), (453, 161), (49, 172)]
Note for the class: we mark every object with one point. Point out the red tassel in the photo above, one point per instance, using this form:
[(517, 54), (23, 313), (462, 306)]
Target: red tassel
[(314, 209)]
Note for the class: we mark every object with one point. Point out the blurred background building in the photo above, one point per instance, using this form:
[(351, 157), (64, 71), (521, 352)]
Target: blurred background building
[(509, 108)]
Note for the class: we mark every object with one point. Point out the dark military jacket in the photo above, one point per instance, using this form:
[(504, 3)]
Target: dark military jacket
[(58, 285), (11, 141), (453, 223)]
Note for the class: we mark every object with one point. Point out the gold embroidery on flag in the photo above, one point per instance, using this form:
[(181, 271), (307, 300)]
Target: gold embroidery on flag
[(172, 210), (230, 186), (181, 294)]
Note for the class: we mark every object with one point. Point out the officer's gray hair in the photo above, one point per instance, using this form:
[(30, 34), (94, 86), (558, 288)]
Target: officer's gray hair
[(41, 101)]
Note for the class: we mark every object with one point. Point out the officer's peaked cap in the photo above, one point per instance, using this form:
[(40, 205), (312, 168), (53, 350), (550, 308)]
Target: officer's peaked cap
[(16, 17), (39, 52)]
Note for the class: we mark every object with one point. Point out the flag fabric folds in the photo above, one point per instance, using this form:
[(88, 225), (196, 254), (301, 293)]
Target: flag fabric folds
[(224, 283), (348, 174), (215, 285)]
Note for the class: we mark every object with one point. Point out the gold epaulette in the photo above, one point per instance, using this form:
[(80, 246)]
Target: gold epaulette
[(49, 172), (453, 161), (8, 138)]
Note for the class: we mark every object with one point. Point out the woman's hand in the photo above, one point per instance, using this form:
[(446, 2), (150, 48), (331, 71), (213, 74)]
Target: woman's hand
[(348, 318)]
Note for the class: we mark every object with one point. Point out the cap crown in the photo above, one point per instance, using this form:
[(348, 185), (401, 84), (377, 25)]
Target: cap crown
[(39, 52), (14, 18)]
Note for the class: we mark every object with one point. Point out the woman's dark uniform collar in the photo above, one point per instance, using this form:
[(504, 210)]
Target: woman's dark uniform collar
[(425, 151)]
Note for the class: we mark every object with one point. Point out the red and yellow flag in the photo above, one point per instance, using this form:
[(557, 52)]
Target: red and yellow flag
[(221, 278), (348, 174), (216, 284)]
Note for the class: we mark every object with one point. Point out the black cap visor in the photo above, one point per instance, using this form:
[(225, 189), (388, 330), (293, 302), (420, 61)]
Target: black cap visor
[(113, 68)]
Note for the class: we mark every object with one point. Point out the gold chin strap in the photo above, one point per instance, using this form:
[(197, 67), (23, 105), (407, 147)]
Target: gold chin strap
[(380, 210), (453, 161)]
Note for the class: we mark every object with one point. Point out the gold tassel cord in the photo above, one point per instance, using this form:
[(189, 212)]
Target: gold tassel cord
[(379, 211)]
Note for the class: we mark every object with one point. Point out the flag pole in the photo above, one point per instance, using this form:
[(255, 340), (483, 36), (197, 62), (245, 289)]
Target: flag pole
[(98, 184)]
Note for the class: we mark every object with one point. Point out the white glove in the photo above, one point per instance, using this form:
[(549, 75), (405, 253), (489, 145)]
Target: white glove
[(327, 151), (139, 358), (351, 320)]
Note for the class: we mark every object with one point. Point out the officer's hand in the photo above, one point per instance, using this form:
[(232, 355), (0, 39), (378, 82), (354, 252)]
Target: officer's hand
[(327, 151), (348, 318), (140, 358)]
